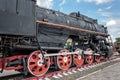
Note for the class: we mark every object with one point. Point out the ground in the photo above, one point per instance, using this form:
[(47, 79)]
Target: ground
[(109, 73)]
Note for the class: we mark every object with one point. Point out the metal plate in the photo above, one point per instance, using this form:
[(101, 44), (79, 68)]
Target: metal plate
[(17, 17)]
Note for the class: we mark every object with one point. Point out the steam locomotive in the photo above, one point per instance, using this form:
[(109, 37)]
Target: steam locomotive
[(34, 39)]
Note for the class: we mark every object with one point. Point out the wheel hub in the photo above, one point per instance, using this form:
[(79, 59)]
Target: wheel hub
[(65, 59), (40, 61), (79, 57)]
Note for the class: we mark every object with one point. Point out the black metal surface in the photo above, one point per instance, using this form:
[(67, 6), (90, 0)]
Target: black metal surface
[(17, 17), (52, 37), (74, 19)]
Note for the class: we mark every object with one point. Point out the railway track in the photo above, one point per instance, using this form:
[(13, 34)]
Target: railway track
[(70, 74)]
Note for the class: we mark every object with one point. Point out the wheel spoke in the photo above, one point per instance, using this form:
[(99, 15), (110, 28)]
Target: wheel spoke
[(32, 60), (32, 66)]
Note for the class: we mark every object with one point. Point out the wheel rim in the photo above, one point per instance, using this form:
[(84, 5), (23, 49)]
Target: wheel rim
[(89, 58), (37, 66), (78, 59), (64, 61), (97, 58)]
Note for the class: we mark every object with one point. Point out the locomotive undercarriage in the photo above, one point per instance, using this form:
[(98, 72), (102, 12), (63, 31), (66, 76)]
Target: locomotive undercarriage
[(28, 57), (12, 53)]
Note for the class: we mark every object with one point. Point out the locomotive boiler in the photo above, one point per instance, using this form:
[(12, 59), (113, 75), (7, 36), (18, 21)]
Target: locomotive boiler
[(34, 39)]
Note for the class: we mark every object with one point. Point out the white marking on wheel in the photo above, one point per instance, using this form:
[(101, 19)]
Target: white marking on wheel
[(79, 57), (65, 59), (40, 62)]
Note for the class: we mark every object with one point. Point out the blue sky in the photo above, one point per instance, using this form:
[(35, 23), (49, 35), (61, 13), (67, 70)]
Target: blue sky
[(107, 12)]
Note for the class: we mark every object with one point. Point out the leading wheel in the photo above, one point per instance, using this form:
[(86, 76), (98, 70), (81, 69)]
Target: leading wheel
[(64, 61), (78, 58), (37, 65)]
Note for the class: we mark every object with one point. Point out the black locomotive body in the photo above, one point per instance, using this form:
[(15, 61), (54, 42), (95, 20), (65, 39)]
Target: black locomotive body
[(25, 28), (56, 37)]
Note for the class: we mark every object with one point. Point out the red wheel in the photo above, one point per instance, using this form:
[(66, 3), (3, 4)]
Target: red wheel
[(97, 58), (64, 61), (78, 59), (89, 58), (37, 65)]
